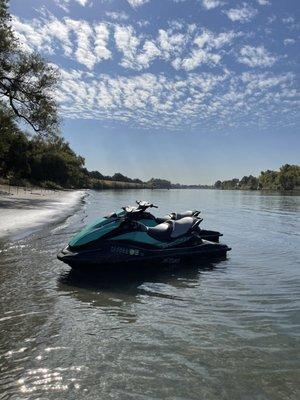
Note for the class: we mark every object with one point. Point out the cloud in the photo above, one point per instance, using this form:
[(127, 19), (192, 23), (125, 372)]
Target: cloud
[(64, 4), (143, 23), (241, 14), (127, 42), (206, 52), (210, 4), (140, 99), (83, 31), (197, 58), (256, 57), (100, 42), (182, 46), (187, 49), (30, 36), (137, 3), (289, 41), (46, 35), (202, 101), (135, 55), (264, 2), (82, 2), (288, 20), (117, 15)]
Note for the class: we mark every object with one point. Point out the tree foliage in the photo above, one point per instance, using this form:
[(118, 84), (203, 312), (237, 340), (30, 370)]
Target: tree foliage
[(38, 161), (156, 183), (26, 81), (287, 178)]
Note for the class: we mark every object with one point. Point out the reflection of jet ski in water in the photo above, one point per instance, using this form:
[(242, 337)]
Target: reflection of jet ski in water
[(134, 236)]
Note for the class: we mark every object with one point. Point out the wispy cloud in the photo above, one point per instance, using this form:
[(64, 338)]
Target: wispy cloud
[(65, 4), (241, 14), (185, 50), (91, 39), (210, 4), (137, 3), (155, 77), (82, 2), (206, 52), (206, 101), (289, 41), (264, 2), (256, 57), (117, 15)]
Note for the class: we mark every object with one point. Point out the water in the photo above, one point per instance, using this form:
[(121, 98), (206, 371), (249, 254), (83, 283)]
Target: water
[(223, 331)]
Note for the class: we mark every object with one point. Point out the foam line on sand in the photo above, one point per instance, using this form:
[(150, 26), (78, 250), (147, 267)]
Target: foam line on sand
[(29, 211)]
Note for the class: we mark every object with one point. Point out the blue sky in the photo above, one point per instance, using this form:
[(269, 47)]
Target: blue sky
[(188, 90)]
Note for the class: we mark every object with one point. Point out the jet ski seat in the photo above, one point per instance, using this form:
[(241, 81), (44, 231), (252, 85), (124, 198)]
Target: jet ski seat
[(176, 216), (171, 229)]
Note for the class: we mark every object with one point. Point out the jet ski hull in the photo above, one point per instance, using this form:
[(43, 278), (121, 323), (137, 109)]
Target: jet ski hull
[(111, 255)]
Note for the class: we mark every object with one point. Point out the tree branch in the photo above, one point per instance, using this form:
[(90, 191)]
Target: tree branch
[(16, 111)]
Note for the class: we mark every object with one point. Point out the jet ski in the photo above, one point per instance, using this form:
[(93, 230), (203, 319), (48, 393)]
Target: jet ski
[(134, 236)]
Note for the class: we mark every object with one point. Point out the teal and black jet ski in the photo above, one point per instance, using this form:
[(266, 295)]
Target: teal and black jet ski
[(134, 236)]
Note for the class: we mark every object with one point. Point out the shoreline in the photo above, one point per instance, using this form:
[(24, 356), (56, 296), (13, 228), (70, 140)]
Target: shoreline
[(26, 211)]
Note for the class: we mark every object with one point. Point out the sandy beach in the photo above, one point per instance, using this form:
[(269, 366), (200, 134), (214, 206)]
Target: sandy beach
[(22, 210)]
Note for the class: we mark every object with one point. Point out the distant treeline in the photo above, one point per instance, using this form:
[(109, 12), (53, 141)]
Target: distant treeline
[(52, 163), (287, 178)]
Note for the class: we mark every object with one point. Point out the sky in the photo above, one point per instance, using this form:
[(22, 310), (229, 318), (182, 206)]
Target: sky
[(188, 90)]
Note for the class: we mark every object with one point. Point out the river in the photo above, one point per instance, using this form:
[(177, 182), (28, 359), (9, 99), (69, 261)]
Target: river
[(228, 330)]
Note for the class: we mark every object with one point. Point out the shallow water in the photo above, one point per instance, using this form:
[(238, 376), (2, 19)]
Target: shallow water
[(223, 331)]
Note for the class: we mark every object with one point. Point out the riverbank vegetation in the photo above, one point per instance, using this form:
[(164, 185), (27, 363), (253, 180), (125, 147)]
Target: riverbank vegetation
[(287, 178)]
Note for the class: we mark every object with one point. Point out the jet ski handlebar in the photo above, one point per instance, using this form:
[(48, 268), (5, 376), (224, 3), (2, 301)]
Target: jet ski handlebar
[(143, 205)]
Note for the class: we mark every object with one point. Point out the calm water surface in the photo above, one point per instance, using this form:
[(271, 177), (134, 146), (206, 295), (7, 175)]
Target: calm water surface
[(223, 331)]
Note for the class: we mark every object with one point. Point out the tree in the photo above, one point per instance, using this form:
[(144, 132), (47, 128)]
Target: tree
[(289, 177), (14, 148), (159, 183), (95, 175), (218, 185), (231, 184), (26, 81), (268, 180), (248, 183), (120, 178)]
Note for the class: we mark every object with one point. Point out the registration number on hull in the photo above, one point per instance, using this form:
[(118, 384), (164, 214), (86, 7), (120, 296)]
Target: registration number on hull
[(125, 250)]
